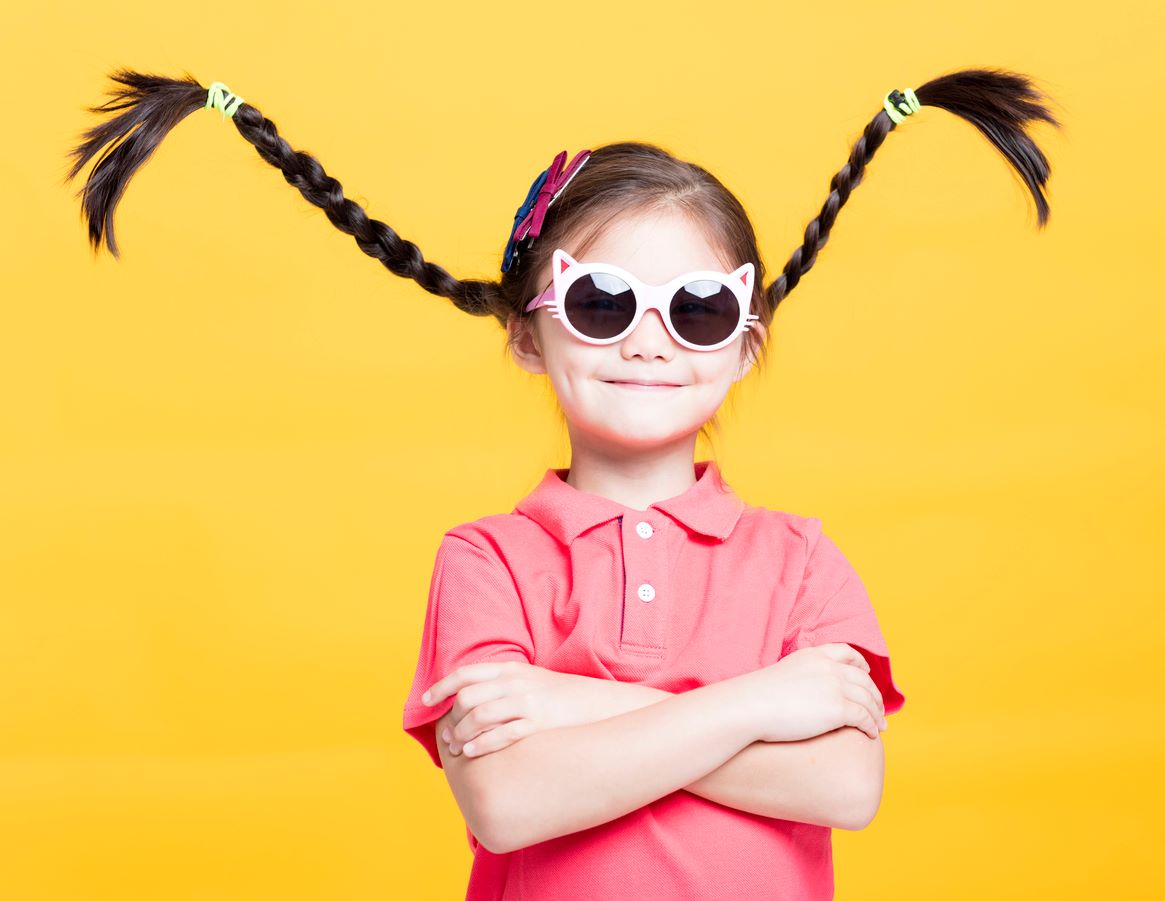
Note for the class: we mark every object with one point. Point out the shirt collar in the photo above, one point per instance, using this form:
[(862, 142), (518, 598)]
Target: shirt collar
[(709, 507)]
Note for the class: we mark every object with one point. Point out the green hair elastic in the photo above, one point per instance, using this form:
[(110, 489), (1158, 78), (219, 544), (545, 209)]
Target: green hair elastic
[(219, 97), (900, 104)]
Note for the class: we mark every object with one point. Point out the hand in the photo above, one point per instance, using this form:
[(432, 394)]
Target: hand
[(816, 690), (498, 703)]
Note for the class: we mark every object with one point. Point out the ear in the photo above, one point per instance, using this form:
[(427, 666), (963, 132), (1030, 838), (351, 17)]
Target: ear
[(562, 261), (750, 359), (525, 350)]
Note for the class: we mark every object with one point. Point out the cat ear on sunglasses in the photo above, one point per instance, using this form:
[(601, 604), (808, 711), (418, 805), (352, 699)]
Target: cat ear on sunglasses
[(745, 273), (563, 261)]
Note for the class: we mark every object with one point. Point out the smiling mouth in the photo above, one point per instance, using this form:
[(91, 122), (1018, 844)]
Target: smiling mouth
[(641, 386)]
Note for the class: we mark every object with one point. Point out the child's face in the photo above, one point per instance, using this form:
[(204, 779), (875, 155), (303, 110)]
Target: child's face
[(655, 247)]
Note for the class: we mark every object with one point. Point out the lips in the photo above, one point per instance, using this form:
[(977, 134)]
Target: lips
[(643, 384)]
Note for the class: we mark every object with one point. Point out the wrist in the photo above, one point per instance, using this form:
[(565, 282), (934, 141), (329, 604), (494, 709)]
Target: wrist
[(745, 697), (737, 705)]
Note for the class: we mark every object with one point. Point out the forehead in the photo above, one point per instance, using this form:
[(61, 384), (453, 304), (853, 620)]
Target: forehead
[(655, 246)]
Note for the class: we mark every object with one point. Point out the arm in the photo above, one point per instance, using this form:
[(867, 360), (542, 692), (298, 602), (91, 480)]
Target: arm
[(833, 779), (564, 780)]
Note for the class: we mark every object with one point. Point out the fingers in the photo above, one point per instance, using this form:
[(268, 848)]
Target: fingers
[(459, 678), (857, 658), (869, 699), (472, 696), (868, 685), (861, 718), (484, 717), (845, 653), (858, 674), (494, 739), (864, 706)]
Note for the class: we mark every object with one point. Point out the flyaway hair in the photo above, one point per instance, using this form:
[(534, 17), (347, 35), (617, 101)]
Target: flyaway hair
[(618, 179)]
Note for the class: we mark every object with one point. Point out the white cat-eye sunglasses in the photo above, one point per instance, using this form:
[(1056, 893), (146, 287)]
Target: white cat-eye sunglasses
[(600, 303)]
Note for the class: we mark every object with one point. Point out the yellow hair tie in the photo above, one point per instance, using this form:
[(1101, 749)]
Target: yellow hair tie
[(219, 97), (900, 104)]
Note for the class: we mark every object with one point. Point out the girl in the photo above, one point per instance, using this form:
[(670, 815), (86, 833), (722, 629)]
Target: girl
[(637, 684)]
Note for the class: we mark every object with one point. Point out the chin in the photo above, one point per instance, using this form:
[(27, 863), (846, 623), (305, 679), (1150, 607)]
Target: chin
[(640, 434)]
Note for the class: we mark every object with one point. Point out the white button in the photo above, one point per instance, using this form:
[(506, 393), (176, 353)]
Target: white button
[(646, 592), (644, 529)]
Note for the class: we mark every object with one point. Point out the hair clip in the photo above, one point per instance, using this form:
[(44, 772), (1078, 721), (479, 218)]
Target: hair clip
[(511, 254), (543, 192)]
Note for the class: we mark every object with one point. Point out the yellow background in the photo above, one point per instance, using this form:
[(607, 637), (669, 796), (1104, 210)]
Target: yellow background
[(228, 458)]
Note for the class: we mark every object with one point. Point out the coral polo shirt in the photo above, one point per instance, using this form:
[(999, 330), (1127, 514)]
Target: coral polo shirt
[(695, 589)]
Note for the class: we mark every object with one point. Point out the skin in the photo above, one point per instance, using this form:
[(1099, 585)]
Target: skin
[(636, 447)]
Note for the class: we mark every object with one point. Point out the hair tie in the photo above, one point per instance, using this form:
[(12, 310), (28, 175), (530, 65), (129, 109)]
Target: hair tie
[(219, 97), (900, 104)]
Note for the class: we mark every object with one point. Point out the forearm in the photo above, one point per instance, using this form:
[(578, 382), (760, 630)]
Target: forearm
[(810, 781), (563, 780)]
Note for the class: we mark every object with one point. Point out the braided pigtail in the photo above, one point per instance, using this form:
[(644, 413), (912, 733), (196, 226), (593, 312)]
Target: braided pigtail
[(154, 105), (997, 102)]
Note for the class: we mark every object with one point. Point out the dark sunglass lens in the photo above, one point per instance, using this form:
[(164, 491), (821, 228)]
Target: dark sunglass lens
[(599, 305), (705, 312)]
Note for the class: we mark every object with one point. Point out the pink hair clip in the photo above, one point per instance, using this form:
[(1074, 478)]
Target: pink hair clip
[(556, 180)]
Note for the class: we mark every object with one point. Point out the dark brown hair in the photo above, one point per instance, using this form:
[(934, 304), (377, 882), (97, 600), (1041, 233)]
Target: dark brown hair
[(618, 179)]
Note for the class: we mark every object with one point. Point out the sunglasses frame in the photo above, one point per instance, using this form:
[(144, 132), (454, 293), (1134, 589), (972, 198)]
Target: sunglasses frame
[(567, 271)]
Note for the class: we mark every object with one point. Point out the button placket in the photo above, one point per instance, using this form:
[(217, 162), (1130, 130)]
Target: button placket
[(646, 604)]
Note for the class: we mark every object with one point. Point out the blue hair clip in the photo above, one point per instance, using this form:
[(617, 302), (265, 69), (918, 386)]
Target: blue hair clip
[(511, 252)]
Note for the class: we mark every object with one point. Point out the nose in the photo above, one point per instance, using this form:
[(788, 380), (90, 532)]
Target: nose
[(650, 338)]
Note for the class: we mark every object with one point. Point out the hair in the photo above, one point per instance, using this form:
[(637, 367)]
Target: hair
[(619, 179)]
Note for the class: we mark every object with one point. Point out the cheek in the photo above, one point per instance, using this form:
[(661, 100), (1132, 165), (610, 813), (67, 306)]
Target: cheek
[(572, 365), (717, 368)]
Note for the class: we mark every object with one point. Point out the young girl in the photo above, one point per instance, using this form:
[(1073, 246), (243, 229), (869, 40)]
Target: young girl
[(638, 685)]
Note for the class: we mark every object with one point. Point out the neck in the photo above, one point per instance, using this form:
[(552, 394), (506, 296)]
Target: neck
[(634, 478)]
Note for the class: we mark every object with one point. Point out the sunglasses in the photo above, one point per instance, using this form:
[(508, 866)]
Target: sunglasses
[(601, 303)]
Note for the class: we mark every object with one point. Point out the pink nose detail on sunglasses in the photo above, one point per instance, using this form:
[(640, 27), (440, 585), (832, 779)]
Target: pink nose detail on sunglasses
[(601, 303)]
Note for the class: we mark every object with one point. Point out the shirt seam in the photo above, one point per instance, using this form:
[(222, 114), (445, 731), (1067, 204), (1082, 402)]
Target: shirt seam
[(509, 575), (808, 633)]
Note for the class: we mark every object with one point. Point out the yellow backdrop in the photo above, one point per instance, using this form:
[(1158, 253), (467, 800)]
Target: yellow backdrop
[(229, 457)]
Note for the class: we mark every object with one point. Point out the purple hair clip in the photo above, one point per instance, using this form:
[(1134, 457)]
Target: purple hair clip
[(532, 213)]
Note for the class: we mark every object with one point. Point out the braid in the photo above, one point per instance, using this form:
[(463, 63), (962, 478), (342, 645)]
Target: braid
[(155, 105), (996, 102)]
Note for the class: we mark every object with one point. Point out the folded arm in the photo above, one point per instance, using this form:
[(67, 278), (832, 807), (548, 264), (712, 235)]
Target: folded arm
[(833, 779), (564, 780), (646, 743)]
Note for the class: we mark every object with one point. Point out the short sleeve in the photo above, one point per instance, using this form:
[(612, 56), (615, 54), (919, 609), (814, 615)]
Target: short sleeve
[(832, 606), (473, 614)]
